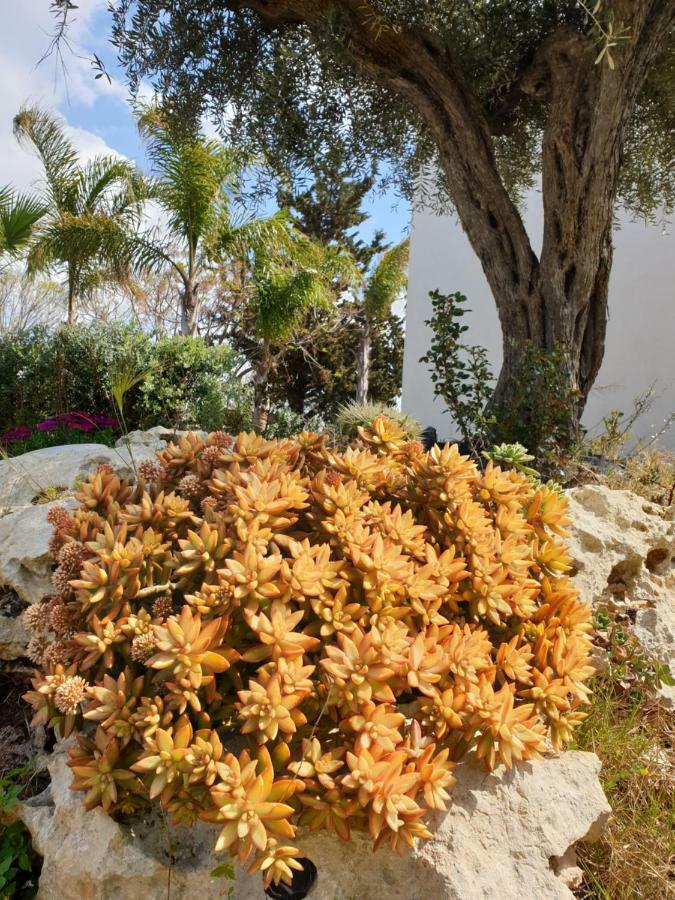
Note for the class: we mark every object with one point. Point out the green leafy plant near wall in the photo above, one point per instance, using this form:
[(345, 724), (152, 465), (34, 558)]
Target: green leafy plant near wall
[(460, 372), (536, 414)]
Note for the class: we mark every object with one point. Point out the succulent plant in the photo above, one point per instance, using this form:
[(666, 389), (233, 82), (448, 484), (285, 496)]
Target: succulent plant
[(357, 618)]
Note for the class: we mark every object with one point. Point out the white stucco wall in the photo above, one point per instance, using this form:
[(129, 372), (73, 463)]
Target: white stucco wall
[(640, 347)]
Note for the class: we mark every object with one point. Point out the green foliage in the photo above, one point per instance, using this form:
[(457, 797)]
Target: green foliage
[(319, 379), (284, 422), (89, 210), (537, 411), (185, 382), (294, 91), (459, 372), (353, 415), (19, 864), (18, 215), (387, 282), (329, 209), (226, 872), (306, 275), (317, 373), (191, 383), (629, 664), (630, 729), (41, 439), (194, 177)]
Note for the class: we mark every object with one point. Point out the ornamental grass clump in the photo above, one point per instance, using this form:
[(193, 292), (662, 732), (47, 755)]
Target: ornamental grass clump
[(357, 619)]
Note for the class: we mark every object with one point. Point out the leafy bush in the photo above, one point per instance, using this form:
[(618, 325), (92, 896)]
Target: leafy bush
[(360, 617), (460, 373), (537, 414), (186, 383)]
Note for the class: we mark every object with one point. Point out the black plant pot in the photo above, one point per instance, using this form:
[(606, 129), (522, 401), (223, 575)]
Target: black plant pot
[(301, 885)]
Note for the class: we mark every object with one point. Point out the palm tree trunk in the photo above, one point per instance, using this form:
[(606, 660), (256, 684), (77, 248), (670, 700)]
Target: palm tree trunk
[(363, 362), (261, 402), (71, 298)]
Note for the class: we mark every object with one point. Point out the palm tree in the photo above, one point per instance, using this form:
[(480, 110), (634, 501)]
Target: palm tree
[(194, 181), (90, 210), (288, 280), (380, 291), (270, 272), (18, 215)]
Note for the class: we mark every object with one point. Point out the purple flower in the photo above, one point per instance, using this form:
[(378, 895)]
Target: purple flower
[(17, 434), (47, 425), (104, 421)]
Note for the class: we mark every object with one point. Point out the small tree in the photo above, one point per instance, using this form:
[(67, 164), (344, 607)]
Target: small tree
[(330, 211), (88, 211), (267, 296), (194, 180)]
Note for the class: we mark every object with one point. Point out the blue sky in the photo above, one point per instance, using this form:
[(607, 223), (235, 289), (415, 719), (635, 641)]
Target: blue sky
[(97, 113)]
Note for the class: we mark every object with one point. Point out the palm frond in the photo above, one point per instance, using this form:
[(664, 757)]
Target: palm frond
[(194, 176), (18, 215), (47, 136), (284, 298), (387, 281), (112, 186)]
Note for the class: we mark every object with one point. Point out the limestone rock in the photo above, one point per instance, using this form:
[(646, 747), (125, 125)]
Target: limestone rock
[(623, 548), (25, 571), (22, 478), (25, 563), (144, 444), (507, 834)]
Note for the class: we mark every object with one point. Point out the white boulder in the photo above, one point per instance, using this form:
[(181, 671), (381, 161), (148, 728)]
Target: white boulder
[(508, 834), (623, 549), (25, 477)]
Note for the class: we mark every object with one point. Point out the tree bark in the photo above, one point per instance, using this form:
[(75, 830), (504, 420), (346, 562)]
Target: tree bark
[(189, 312), (261, 403), (363, 362), (560, 299), (72, 312)]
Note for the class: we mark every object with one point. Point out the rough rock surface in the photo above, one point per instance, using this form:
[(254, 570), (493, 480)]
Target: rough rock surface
[(25, 570), (623, 548), (508, 835), (144, 444), (22, 478)]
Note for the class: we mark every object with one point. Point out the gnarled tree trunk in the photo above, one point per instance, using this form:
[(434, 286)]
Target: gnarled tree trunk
[(559, 299)]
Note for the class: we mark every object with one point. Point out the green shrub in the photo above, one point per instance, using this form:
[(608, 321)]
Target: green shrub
[(187, 383), (536, 415), (460, 373)]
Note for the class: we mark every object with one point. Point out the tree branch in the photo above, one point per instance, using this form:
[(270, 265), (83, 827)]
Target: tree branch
[(421, 68)]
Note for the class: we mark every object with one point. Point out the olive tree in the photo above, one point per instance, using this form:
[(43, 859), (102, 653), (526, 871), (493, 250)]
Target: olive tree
[(493, 95)]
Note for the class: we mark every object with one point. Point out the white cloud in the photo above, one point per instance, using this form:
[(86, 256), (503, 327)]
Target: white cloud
[(27, 27)]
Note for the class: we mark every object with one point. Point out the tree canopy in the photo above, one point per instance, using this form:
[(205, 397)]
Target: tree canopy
[(292, 77)]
